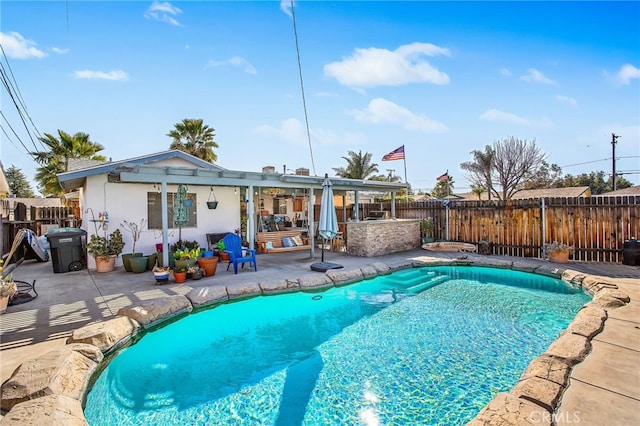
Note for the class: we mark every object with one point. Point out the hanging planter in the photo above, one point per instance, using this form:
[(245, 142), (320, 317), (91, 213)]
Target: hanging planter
[(212, 205), (187, 203)]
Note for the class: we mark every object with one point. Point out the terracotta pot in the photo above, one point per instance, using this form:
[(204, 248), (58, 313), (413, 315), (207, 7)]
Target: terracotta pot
[(209, 264), (4, 302), (224, 257), (180, 277), (105, 264), (559, 256)]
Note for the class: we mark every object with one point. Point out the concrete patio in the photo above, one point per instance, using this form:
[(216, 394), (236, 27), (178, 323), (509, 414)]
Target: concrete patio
[(604, 388)]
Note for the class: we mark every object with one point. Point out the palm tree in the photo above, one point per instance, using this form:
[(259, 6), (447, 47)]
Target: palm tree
[(481, 168), (359, 166), (56, 159), (195, 138)]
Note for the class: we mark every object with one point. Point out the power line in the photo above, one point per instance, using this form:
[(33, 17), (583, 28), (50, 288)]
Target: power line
[(597, 161), (304, 102), (22, 102), (15, 95), (16, 135)]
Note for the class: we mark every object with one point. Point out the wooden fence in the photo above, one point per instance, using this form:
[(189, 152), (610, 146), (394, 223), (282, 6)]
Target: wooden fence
[(597, 226)]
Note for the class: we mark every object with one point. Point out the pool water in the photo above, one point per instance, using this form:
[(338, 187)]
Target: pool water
[(421, 346)]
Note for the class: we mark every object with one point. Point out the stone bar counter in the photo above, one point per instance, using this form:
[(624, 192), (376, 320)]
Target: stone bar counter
[(377, 237)]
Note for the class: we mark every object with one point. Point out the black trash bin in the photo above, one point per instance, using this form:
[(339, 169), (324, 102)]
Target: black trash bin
[(631, 252), (68, 249)]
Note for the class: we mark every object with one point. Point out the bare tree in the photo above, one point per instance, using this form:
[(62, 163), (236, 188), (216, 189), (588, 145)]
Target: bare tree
[(503, 167), (513, 160)]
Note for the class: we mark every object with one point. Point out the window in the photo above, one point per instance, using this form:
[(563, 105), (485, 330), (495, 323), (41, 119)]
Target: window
[(154, 210)]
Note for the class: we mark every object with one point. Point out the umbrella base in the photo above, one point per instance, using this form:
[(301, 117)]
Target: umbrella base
[(324, 266)]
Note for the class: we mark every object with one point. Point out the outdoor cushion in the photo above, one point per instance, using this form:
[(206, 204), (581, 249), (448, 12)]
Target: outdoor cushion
[(269, 245), (297, 240), (288, 242)]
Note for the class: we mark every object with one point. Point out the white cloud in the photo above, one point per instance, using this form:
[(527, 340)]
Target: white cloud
[(381, 67), (60, 51), (17, 47), (505, 72), (495, 115), (626, 73), (236, 62), (567, 99), (536, 76), (101, 75), (294, 131), (381, 110), (285, 6), (163, 12)]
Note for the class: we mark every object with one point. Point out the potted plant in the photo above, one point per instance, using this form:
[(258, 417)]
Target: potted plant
[(180, 274), (558, 252), (161, 274), (105, 250), (187, 257), (426, 230), (135, 230), (8, 288), (194, 272)]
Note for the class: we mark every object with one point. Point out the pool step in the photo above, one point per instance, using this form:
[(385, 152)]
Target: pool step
[(428, 284), (410, 279)]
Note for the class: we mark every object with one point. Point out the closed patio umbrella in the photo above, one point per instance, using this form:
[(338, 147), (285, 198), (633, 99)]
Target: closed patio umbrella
[(327, 224)]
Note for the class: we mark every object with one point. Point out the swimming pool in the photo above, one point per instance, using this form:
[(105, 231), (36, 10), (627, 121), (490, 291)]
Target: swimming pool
[(429, 346)]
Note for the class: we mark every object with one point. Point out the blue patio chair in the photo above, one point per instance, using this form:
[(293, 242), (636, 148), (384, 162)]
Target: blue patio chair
[(233, 247)]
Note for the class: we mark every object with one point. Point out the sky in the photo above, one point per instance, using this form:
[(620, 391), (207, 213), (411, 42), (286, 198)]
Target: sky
[(441, 78)]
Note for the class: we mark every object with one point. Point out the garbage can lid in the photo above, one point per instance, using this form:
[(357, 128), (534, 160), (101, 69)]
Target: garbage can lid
[(65, 232)]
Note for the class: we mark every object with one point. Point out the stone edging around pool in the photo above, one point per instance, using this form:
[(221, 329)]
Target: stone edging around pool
[(54, 385)]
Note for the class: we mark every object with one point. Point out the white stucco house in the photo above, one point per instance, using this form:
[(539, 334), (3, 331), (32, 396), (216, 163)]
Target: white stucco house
[(143, 188)]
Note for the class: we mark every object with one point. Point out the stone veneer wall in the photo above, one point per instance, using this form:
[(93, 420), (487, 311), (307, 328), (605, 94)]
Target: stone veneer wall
[(53, 386), (377, 237)]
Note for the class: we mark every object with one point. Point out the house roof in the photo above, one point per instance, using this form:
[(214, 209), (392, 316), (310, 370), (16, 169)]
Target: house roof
[(575, 191), (632, 190), (80, 169), (143, 170), (4, 185)]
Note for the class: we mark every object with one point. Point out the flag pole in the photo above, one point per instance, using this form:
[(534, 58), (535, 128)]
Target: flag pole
[(404, 159)]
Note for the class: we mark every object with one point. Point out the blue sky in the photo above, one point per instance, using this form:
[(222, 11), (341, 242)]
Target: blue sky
[(441, 78)]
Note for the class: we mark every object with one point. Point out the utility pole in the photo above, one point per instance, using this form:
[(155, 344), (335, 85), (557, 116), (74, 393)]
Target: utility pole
[(614, 141), (391, 173)]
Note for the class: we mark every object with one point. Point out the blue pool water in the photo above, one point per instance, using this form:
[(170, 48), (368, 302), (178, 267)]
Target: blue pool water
[(422, 346)]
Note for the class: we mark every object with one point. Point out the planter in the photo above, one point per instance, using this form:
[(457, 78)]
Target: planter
[(138, 264), (187, 203), (184, 263), (197, 275), (106, 263), (161, 277), (4, 302), (152, 260), (209, 264), (125, 260), (180, 277), (224, 257), (559, 256), (212, 205), (208, 253)]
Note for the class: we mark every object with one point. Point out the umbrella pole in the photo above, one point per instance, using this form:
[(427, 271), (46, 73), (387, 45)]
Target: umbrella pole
[(323, 241)]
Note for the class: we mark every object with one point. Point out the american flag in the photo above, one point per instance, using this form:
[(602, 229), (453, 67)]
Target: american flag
[(444, 176), (396, 154)]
